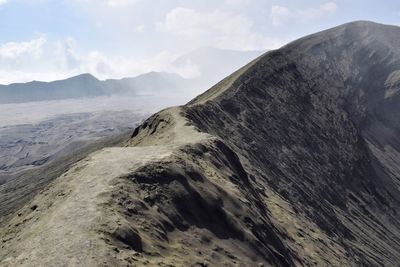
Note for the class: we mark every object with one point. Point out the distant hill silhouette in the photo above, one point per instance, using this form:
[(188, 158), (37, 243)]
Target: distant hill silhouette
[(213, 65)]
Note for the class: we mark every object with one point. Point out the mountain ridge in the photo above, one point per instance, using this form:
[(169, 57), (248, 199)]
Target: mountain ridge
[(290, 161)]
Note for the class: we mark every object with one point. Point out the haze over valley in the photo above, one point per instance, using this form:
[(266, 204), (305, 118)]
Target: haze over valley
[(39, 120)]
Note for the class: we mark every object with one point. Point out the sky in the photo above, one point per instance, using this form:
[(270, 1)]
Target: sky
[(54, 39)]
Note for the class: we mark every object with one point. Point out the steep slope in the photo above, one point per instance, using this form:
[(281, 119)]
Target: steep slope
[(313, 121), (292, 160)]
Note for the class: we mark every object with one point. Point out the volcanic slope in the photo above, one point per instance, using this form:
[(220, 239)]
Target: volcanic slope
[(292, 160)]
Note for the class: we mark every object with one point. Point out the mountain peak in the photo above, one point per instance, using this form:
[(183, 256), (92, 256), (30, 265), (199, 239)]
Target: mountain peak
[(86, 76)]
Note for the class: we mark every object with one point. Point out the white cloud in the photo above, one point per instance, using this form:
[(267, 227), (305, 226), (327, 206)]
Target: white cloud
[(102, 66), (2, 2), (217, 28), (71, 61), (12, 50), (280, 15), (66, 54), (27, 61), (44, 58)]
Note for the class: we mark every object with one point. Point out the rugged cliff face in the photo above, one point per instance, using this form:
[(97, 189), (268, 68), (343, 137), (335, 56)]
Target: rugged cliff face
[(318, 122), (293, 160)]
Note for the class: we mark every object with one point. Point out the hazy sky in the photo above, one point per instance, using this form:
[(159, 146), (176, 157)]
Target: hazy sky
[(51, 39)]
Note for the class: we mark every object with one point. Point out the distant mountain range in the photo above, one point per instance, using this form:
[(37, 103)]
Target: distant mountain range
[(213, 65), (86, 85)]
